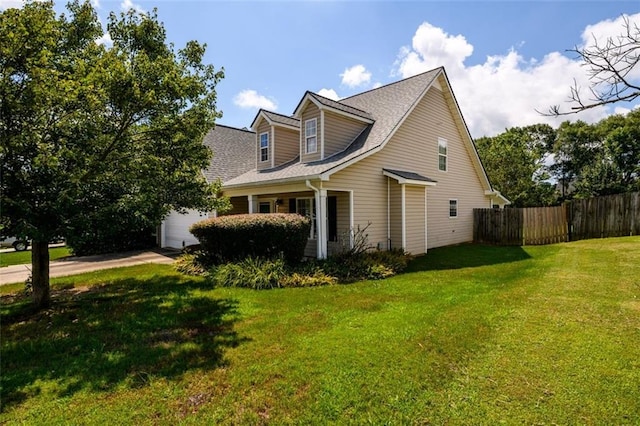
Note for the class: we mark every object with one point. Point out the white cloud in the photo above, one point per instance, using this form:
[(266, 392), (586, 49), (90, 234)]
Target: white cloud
[(507, 89), (11, 4), (128, 4), (105, 39), (95, 4), (355, 76), (329, 93), (251, 99)]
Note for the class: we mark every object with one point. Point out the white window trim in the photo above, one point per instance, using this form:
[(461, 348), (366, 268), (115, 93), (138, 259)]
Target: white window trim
[(307, 137), (457, 208), (269, 203), (445, 155), (260, 147)]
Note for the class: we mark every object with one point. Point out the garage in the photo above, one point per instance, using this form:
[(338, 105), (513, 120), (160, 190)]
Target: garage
[(174, 231)]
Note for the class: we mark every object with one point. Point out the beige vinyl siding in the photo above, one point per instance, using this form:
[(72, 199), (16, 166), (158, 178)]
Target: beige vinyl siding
[(339, 132), (286, 143), (239, 205), (395, 209), (414, 147), (263, 127), (310, 112), (414, 198)]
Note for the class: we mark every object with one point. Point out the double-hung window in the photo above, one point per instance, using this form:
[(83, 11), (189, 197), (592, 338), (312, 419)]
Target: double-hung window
[(264, 146), (453, 208), (310, 134), (442, 154)]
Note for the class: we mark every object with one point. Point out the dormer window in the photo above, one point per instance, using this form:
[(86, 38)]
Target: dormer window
[(310, 133), (264, 146)]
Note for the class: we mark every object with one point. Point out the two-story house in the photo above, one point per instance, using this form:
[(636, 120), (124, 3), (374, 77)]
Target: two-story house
[(398, 158)]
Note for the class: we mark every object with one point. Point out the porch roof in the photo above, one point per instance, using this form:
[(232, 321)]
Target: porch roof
[(411, 178)]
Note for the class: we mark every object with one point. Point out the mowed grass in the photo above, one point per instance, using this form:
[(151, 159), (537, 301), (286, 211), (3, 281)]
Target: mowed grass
[(22, 257), (470, 335)]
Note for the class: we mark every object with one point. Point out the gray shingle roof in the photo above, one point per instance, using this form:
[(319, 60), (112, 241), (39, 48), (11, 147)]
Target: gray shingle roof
[(340, 106), (410, 175), (234, 152), (282, 119), (386, 105)]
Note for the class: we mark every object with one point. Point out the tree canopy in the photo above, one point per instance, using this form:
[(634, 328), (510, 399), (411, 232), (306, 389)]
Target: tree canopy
[(515, 163), (92, 132), (538, 165)]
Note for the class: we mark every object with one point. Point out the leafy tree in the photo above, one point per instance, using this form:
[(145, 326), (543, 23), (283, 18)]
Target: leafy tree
[(577, 145), (90, 131), (610, 66), (515, 163), (614, 166)]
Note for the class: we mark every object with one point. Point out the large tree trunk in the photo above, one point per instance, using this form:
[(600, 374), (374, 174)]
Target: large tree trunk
[(40, 274)]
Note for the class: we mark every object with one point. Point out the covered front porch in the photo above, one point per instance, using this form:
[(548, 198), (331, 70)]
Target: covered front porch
[(330, 212)]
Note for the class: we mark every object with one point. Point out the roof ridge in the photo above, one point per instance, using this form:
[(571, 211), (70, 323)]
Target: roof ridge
[(281, 115), (338, 102), (234, 128), (392, 83)]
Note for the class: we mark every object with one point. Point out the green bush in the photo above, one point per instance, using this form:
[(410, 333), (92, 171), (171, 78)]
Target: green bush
[(315, 279), (371, 265), (395, 259), (189, 264), (236, 237), (259, 274)]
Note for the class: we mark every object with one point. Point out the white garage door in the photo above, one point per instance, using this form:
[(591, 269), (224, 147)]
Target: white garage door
[(176, 229)]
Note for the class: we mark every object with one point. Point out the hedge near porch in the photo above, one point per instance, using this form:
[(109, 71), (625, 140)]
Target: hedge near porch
[(236, 237)]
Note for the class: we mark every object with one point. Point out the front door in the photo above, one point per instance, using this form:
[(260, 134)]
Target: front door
[(332, 217)]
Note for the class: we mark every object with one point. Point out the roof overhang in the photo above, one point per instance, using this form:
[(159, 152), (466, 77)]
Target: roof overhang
[(498, 195), (270, 182), (262, 116), (416, 179), (309, 98)]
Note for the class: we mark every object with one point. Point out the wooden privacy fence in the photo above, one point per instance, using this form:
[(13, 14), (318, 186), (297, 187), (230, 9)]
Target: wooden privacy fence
[(600, 217)]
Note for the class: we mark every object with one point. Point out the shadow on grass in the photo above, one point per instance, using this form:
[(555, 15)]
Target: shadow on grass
[(125, 333), (466, 256)]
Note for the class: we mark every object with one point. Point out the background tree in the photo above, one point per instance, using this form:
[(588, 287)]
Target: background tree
[(577, 145), (90, 132), (515, 163), (608, 162), (612, 69)]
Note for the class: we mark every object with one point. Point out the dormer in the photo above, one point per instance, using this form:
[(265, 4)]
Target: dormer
[(277, 139), (327, 126)]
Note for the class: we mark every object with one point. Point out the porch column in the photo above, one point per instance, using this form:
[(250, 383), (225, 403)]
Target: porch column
[(404, 216), (163, 235), (321, 222), (253, 203)]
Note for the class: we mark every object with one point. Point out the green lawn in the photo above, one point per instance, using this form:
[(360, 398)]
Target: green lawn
[(21, 257), (471, 335)]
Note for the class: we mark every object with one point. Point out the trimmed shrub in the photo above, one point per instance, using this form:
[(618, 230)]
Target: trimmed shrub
[(236, 237)]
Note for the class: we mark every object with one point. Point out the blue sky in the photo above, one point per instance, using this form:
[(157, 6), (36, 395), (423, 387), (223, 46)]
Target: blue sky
[(504, 59)]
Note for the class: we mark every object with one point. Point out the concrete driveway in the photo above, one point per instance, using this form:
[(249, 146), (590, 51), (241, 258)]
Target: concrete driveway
[(78, 265)]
